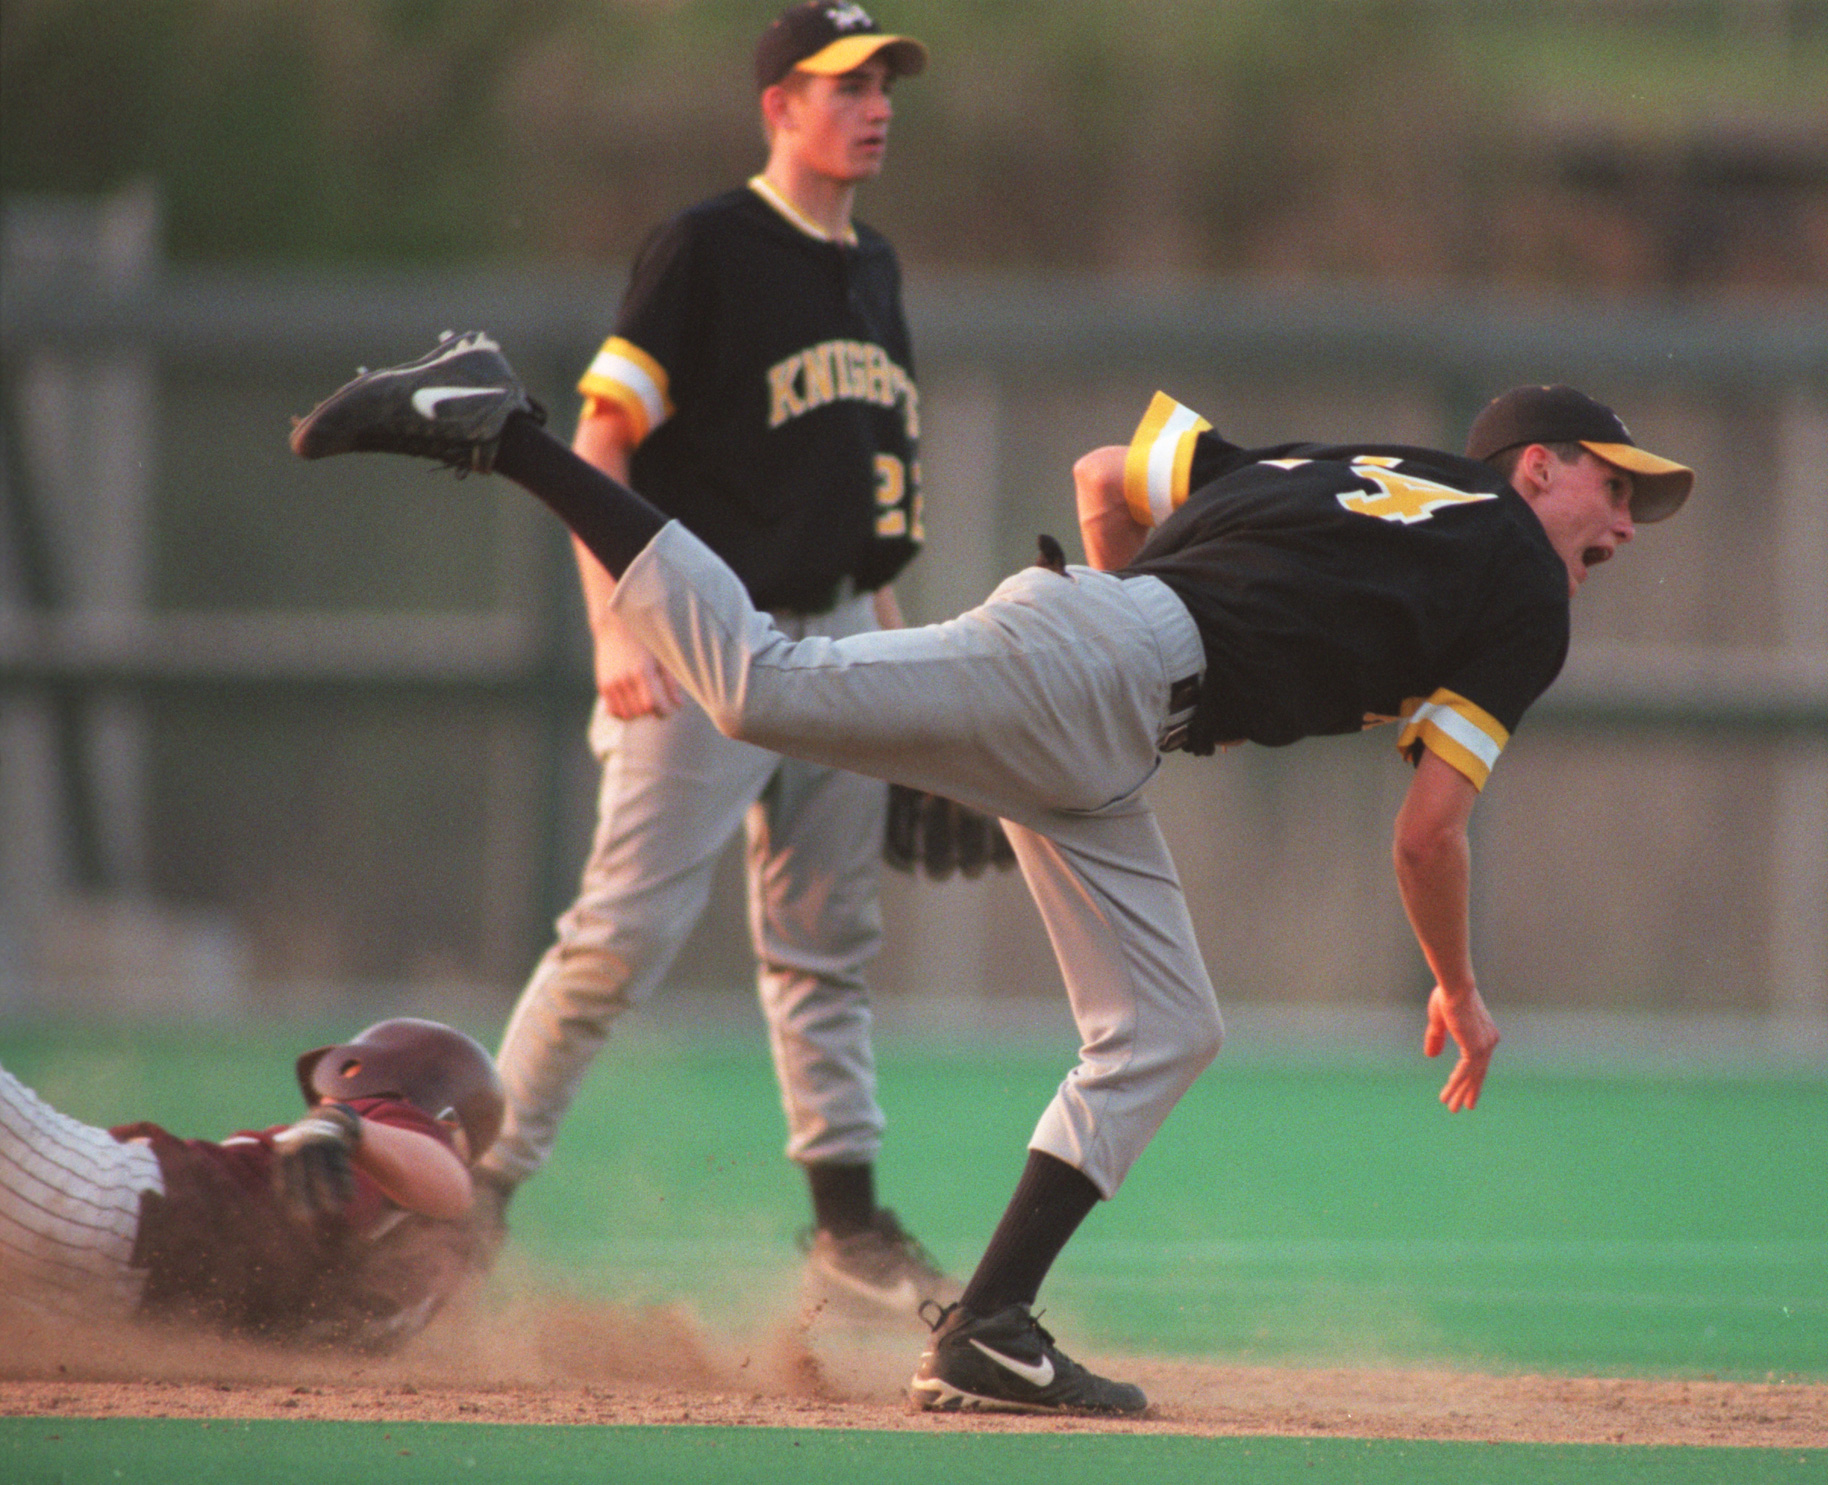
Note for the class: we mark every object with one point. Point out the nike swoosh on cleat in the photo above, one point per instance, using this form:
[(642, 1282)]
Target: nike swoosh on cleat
[(426, 399), (1039, 1374)]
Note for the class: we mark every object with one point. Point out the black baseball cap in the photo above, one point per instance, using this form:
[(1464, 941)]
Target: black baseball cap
[(1526, 415), (830, 37)]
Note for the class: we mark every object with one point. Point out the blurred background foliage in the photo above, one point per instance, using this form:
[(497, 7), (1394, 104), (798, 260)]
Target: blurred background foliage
[(1599, 143)]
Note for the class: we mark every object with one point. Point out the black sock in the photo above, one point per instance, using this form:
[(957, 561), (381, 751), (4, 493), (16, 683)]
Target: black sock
[(609, 518), (843, 1197), (1051, 1200)]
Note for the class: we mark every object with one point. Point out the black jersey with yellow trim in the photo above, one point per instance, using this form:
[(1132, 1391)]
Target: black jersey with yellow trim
[(1339, 586), (766, 372)]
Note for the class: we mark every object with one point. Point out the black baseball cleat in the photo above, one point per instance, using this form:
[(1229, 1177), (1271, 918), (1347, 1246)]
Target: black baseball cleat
[(882, 1270), (1007, 1363), (450, 405)]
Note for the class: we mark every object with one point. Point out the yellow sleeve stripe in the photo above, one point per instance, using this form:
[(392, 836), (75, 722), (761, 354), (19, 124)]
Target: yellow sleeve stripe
[(1456, 731), (1161, 453), (626, 375)]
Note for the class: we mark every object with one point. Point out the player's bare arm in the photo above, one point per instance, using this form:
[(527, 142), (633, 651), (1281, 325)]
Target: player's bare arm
[(888, 609), (317, 1155), (1434, 871), (1112, 536), (414, 1170), (631, 682)]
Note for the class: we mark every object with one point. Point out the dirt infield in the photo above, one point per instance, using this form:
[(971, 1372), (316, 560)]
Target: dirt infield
[(548, 1361)]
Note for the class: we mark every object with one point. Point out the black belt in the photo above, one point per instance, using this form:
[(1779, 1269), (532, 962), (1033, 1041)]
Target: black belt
[(1183, 696), (821, 601)]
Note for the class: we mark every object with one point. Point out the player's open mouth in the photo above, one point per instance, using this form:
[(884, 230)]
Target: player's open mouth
[(1593, 556)]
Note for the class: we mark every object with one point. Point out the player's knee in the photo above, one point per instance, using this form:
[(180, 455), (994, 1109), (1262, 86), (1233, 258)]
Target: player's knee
[(730, 712), (754, 715), (1204, 1036), (588, 982)]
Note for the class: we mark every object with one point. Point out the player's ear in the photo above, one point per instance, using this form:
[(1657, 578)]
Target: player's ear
[(776, 102), (1531, 474)]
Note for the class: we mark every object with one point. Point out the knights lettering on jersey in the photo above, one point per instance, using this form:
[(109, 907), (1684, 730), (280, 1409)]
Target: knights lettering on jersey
[(840, 370)]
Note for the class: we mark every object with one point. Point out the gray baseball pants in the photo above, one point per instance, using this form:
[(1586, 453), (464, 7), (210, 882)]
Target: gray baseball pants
[(674, 792), (1044, 706)]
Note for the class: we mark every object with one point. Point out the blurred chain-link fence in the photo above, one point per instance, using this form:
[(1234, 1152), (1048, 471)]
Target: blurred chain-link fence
[(268, 729)]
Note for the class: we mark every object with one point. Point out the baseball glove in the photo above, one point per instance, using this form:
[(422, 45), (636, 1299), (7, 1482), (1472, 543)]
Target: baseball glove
[(313, 1173), (931, 835)]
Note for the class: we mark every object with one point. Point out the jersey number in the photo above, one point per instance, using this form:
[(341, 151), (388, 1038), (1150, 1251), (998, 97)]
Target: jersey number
[(895, 515), (1401, 497)]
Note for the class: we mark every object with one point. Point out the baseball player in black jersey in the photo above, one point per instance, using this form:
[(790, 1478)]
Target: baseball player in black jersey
[(759, 387), (1231, 595)]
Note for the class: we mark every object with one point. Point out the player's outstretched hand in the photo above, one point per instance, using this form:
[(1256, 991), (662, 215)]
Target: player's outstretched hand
[(313, 1172), (1466, 1019), (931, 835)]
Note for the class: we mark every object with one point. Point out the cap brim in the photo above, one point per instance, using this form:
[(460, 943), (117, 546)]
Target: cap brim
[(1659, 486), (906, 56)]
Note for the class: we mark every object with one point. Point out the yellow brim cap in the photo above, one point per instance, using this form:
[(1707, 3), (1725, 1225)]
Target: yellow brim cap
[(1659, 486), (908, 56)]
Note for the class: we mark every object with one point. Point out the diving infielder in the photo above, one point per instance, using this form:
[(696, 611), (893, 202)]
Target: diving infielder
[(1233, 595), (759, 387)]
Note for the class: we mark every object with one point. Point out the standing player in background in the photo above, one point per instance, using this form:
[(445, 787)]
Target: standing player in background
[(346, 1227), (759, 387)]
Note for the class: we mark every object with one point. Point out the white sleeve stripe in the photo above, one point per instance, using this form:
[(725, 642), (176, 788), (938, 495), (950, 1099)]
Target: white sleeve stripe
[(1182, 423), (610, 366), (1468, 734)]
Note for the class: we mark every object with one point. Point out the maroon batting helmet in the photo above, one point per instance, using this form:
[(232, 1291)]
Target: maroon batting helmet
[(439, 1071)]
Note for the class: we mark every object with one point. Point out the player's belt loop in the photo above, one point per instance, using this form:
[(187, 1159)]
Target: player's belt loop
[(1182, 652), (1183, 697)]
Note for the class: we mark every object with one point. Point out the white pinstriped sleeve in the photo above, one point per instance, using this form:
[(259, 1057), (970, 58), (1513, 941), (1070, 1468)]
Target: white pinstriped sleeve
[(69, 1209)]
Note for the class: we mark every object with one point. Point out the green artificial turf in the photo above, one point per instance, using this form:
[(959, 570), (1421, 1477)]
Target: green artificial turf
[(172, 1452), (1575, 1222), (1306, 1213)]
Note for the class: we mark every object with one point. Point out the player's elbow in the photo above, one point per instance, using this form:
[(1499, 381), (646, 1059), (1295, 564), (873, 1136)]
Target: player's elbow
[(1098, 477), (1424, 848), (446, 1202), (1414, 848), (1432, 824)]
